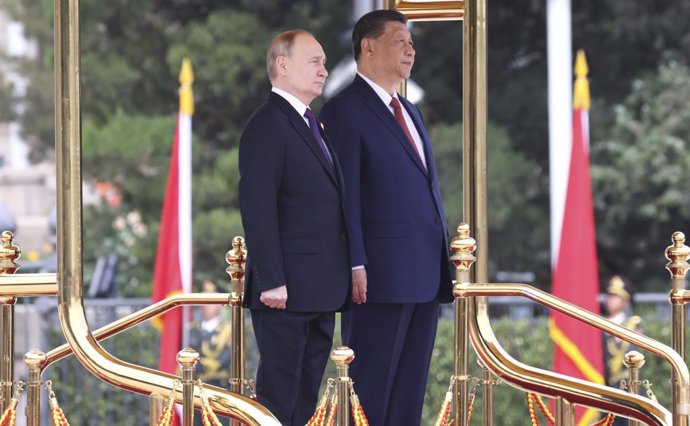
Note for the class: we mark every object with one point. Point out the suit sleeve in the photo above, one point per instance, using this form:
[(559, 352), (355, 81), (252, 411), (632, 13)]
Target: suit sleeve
[(261, 163), (344, 134)]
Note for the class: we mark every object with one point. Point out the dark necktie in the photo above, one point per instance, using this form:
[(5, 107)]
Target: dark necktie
[(314, 127), (400, 118)]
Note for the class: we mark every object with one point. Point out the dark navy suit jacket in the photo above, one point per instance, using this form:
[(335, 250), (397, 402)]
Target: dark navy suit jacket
[(292, 212), (394, 210)]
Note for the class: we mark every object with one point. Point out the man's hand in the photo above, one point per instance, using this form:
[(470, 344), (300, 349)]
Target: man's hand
[(359, 285), (275, 298)]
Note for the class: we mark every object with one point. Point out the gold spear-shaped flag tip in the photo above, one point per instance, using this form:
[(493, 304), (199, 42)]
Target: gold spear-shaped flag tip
[(186, 94), (581, 91), (186, 74), (581, 68)]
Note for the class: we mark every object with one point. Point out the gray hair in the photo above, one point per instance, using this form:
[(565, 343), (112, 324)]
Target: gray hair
[(281, 45)]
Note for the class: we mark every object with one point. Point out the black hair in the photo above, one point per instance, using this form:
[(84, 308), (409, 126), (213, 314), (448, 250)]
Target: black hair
[(373, 25)]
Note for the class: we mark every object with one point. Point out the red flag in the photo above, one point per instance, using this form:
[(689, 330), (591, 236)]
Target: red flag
[(577, 346), (173, 269)]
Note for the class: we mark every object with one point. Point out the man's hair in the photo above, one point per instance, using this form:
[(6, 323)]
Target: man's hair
[(373, 25), (281, 45)]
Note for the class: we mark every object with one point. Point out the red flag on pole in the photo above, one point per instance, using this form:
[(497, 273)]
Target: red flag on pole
[(575, 278), (173, 269)]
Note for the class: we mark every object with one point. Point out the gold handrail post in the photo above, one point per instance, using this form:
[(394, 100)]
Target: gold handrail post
[(342, 356), (677, 255), (462, 247), (564, 412), (155, 408), (9, 254), (634, 361), (187, 359), (34, 361), (237, 259), (488, 404)]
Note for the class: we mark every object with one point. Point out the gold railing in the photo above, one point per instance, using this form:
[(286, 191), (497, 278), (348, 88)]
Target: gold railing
[(471, 299)]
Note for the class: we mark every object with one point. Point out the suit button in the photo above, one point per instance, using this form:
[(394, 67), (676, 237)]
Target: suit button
[(343, 237), (437, 221)]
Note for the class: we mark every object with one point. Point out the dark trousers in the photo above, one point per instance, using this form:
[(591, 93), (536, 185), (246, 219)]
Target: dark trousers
[(392, 345), (294, 348)]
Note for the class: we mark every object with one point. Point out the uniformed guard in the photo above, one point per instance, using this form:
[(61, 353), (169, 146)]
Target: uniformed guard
[(618, 305), (210, 336)]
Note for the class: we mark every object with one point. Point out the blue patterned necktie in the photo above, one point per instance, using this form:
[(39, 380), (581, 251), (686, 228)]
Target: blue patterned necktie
[(314, 127)]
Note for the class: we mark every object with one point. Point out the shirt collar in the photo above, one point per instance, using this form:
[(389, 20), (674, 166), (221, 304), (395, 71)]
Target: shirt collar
[(292, 100), (380, 91)]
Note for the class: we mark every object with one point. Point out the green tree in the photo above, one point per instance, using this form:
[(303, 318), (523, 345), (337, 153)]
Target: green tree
[(639, 173), (512, 185)]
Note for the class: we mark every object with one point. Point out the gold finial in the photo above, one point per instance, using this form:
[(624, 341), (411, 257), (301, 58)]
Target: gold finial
[(187, 357), (678, 254), (35, 359), (9, 253), (186, 93), (581, 90), (342, 355), (237, 259), (462, 247), (633, 359)]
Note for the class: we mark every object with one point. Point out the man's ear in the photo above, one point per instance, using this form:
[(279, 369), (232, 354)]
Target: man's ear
[(367, 47), (281, 65)]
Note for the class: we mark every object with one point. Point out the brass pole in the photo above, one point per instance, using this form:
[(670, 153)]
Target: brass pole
[(488, 407), (237, 259), (9, 254), (462, 247), (342, 356), (187, 359), (634, 361), (677, 255), (474, 107), (28, 285), (155, 408), (34, 361), (6, 350), (563, 412)]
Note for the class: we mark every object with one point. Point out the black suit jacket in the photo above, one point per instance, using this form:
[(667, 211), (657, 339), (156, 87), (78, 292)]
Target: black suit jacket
[(292, 212)]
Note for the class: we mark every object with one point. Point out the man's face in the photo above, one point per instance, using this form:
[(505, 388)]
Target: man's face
[(615, 304), (393, 53), (305, 68)]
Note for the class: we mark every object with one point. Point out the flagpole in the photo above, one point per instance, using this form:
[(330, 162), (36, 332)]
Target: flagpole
[(185, 184), (560, 78)]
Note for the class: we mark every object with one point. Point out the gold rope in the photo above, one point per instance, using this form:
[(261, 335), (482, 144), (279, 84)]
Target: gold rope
[(357, 411), (208, 416), (10, 414), (169, 411), (56, 414), (444, 412), (532, 411)]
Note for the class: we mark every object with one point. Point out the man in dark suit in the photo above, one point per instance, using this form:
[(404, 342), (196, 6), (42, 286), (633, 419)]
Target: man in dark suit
[(298, 269), (396, 220)]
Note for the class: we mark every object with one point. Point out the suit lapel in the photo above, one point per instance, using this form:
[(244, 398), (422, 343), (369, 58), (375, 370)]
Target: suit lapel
[(426, 141), (384, 114), (302, 129)]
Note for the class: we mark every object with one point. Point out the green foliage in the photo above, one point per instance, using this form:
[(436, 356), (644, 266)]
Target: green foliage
[(514, 187), (528, 342), (7, 113), (639, 172), (87, 400)]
